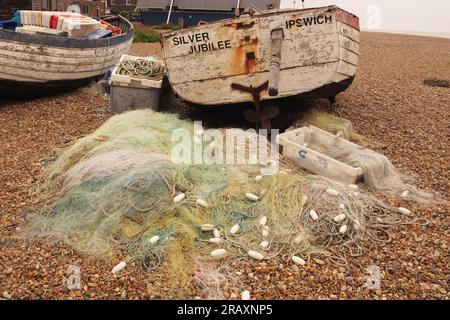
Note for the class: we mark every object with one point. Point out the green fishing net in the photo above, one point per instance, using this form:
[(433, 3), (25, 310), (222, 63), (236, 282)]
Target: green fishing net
[(111, 195)]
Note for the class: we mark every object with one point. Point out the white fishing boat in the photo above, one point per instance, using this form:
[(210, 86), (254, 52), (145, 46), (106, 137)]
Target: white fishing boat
[(35, 59), (262, 56)]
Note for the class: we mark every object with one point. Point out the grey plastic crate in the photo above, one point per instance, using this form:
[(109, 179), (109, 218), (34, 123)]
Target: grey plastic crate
[(125, 98), (130, 93)]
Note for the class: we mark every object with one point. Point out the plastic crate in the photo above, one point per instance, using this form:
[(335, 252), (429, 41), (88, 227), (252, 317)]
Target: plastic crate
[(129, 93), (299, 147), (122, 80)]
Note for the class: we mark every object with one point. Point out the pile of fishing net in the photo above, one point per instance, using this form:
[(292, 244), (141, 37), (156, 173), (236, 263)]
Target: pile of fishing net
[(116, 194), (327, 122)]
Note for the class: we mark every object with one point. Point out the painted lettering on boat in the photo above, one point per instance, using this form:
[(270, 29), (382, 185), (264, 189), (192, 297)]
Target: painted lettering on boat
[(308, 21), (191, 38), (210, 46), (200, 42)]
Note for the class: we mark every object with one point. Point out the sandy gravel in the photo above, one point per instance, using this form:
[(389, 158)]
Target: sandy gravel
[(145, 49), (388, 103)]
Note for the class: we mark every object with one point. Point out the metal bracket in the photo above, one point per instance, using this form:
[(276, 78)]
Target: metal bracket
[(260, 116)]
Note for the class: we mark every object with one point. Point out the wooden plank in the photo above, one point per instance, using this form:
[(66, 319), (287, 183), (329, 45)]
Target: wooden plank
[(302, 46), (85, 61), (348, 32), (57, 68), (306, 79), (346, 68), (7, 71), (349, 57), (349, 44), (295, 54), (339, 77), (258, 29), (62, 52)]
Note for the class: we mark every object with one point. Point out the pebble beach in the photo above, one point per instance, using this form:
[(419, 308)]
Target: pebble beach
[(388, 103)]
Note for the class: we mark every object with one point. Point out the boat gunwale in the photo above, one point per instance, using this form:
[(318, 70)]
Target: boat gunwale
[(169, 34), (63, 42)]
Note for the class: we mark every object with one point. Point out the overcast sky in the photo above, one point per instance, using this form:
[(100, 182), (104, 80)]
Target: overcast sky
[(396, 15)]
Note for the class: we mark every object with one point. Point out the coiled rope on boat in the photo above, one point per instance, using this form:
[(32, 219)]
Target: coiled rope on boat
[(141, 68)]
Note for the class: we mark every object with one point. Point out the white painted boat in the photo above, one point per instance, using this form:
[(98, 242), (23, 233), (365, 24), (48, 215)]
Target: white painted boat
[(40, 64), (226, 61)]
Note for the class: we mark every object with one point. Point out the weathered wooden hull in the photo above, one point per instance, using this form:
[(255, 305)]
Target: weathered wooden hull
[(319, 55), (47, 61)]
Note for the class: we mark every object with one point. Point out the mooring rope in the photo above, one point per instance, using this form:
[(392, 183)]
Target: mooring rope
[(141, 68)]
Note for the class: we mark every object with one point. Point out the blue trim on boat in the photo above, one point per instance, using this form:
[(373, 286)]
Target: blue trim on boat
[(54, 41)]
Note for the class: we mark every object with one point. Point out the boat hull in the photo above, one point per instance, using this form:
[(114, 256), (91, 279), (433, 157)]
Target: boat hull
[(48, 61), (319, 56)]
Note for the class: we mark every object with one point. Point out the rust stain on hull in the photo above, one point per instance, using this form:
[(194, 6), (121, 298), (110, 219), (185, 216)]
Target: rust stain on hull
[(245, 57)]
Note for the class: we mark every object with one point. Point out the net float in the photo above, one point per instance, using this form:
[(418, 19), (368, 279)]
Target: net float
[(153, 239), (298, 260), (263, 221), (332, 192), (252, 197), (202, 203), (255, 255), (340, 217), (219, 253), (179, 198), (216, 233), (404, 211), (313, 214), (234, 229), (264, 244), (120, 266), (207, 227)]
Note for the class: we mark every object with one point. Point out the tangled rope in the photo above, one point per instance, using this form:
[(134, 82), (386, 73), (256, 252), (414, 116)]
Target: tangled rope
[(141, 68)]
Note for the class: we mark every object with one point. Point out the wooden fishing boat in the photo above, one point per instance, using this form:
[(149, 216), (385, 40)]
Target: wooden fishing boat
[(259, 57), (41, 63)]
